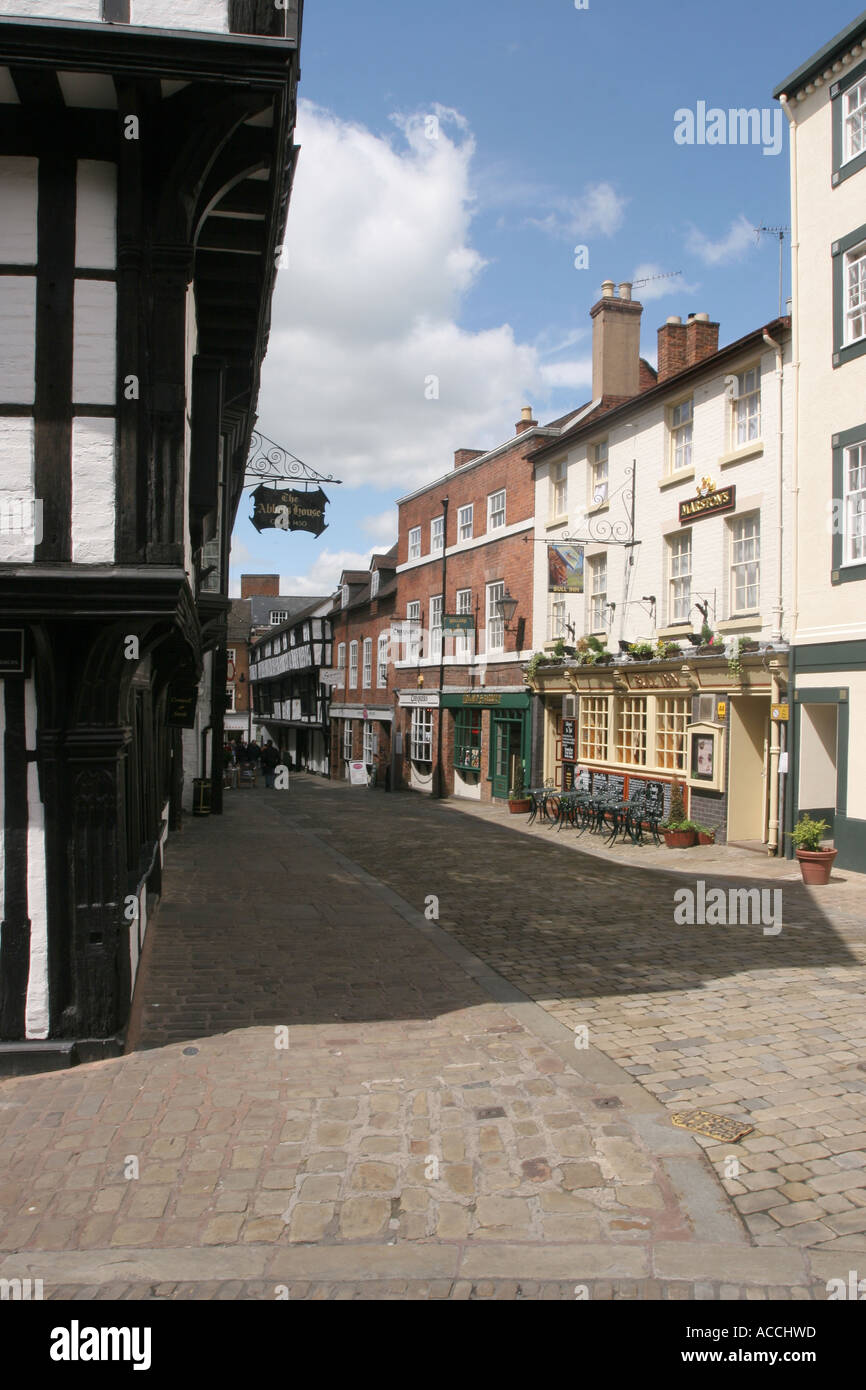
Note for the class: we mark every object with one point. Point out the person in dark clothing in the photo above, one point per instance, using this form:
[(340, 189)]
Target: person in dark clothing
[(254, 753), (270, 761)]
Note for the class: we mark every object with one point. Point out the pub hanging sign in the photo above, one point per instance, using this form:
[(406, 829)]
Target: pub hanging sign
[(182, 699), (708, 503), (289, 509)]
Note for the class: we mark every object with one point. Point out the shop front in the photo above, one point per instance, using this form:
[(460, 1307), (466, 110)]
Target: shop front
[(715, 725), (486, 739)]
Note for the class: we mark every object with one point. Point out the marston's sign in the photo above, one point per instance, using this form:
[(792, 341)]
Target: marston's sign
[(287, 509), (696, 508), (458, 622)]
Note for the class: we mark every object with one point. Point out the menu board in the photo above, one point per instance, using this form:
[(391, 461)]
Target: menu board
[(568, 770), (569, 740)]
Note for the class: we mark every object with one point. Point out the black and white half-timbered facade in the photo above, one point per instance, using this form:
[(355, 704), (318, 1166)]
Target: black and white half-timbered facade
[(146, 162), (290, 698)]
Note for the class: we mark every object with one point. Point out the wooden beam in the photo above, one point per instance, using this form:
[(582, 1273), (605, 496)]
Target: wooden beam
[(252, 198), (37, 87), (225, 234), (55, 285)]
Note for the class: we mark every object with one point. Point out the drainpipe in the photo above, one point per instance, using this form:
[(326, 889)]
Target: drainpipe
[(776, 634), (795, 367), (440, 779), (773, 819)]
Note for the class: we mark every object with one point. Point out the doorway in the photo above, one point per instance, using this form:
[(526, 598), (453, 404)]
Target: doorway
[(747, 777), (507, 753), (818, 761)]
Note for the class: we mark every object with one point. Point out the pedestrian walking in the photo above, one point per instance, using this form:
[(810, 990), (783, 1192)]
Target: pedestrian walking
[(254, 754), (270, 761)]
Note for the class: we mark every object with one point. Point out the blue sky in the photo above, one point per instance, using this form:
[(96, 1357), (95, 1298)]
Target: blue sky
[(410, 257)]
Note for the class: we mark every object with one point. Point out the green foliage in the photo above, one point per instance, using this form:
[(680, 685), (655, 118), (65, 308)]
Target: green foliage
[(708, 637), (518, 791), (667, 650), (641, 651), (677, 813), (808, 834)]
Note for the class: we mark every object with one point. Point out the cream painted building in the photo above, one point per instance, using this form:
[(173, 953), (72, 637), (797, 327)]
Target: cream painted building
[(825, 102), (670, 498)]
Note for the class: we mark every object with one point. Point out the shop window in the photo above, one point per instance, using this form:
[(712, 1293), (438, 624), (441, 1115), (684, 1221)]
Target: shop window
[(348, 738), (467, 741), (421, 736), (631, 732), (594, 717), (672, 717)]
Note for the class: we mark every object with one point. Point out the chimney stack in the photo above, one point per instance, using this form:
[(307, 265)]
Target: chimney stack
[(462, 456), (616, 342), (260, 585), (683, 345), (702, 338), (526, 421)]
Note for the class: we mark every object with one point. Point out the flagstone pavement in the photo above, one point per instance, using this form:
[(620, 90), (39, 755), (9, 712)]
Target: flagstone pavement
[(334, 1095)]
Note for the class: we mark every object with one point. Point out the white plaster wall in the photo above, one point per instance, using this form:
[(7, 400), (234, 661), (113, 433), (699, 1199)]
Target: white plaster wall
[(831, 400), (94, 342), (36, 1017), (19, 200), (855, 682), (466, 789), (18, 339), (16, 484), (656, 511), (93, 490), (205, 15), (96, 215), (80, 10)]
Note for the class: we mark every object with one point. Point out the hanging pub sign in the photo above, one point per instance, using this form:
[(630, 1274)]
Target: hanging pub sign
[(565, 569), (724, 499), (182, 700), (458, 622), (288, 509)]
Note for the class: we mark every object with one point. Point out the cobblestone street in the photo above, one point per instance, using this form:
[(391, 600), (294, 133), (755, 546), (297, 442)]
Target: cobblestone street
[(334, 1097)]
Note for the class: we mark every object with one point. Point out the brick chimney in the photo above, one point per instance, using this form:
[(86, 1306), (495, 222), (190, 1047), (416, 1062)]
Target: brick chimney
[(260, 585), (462, 456), (702, 338), (673, 347), (616, 342), (526, 421)]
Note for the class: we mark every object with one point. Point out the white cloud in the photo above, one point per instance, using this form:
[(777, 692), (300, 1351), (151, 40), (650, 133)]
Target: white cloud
[(598, 211), (576, 374), (323, 575), (367, 312), (739, 239), (381, 528)]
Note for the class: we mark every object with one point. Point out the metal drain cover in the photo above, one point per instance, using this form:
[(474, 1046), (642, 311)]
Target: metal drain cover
[(720, 1127), (490, 1112), (608, 1103)]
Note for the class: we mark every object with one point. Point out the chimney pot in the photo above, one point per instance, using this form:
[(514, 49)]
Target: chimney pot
[(607, 289), (616, 343), (674, 318), (526, 421), (625, 290)]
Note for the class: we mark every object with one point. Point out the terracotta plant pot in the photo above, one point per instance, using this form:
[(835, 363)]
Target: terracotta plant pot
[(816, 865), (706, 839), (518, 808), (679, 839)]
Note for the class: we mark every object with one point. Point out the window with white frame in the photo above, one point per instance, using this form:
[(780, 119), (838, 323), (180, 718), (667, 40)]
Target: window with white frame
[(463, 640), (496, 510), (631, 731), (421, 736), (855, 121), (673, 714), (437, 535), (413, 620), (466, 522), (599, 473), (598, 593), (348, 738), (855, 294), (681, 426), (371, 743), (680, 593), (382, 661), (367, 666), (436, 627), (747, 407), (745, 563), (353, 665), (558, 490), (495, 622), (341, 657), (374, 583), (415, 543), (855, 504), (230, 697), (344, 596), (278, 615), (557, 619), (231, 654), (594, 722)]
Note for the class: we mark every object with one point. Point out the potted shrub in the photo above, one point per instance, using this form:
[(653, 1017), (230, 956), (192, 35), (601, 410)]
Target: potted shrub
[(679, 833), (667, 651), (706, 836), (816, 864), (518, 798), (641, 651)]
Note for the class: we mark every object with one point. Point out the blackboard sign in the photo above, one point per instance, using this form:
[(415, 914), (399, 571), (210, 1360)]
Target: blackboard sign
[(568, 740), (583, 781), (616, 787), (181, 706), (567, 777), (599, 783)]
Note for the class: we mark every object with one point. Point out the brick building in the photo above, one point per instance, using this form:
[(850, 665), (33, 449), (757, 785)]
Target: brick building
[(290, 700), (465, 560), (362, 711), (261, 606)]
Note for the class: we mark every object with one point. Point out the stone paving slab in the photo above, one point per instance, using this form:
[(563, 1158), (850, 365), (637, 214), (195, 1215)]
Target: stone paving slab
[(766, 1026)]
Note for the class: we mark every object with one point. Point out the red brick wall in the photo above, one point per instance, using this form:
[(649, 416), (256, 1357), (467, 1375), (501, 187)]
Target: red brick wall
[(260, 585)]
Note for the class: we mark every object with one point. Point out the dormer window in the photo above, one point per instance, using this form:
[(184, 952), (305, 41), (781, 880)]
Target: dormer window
[(344, 596), (278, 615), (374, 584)]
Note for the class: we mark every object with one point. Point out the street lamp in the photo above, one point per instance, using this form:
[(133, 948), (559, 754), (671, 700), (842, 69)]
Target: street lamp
[(507, 607)]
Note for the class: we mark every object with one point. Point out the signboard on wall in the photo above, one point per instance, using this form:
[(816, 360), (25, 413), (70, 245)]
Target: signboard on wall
[(696, 508), (418, 699), (565, 569), (568, 740), (181, 706)]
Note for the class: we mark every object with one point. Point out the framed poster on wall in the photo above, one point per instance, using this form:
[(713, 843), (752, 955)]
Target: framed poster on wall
[(706, 751)]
